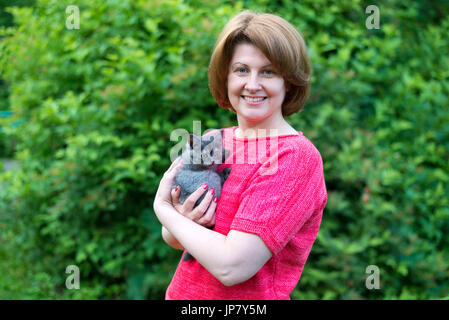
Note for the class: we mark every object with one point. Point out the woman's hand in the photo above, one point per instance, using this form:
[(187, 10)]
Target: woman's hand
[(204, 213), (163, 194)]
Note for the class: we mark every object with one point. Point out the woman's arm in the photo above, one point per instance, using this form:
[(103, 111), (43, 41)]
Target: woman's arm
[(231, 259), (170, 240), (203, 214)]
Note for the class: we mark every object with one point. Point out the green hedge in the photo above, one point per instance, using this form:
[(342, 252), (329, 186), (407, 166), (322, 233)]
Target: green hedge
[(99, 104), (6, 20)]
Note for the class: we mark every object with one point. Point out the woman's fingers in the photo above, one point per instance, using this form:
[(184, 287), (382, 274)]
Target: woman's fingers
[(208, 219), (204, 213), (201, 209), (189, 203), (163, 194), (175, 193)]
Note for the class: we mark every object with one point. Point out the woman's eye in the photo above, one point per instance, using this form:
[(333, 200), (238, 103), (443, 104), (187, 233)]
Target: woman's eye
[(267, 72)]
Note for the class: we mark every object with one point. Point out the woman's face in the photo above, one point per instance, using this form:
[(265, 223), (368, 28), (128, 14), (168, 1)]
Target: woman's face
[(255, 89)]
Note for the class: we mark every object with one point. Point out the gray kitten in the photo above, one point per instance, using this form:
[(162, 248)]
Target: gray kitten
[(201, 159)]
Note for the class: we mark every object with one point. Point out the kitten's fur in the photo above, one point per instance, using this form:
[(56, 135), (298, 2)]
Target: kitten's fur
[(201, 168)]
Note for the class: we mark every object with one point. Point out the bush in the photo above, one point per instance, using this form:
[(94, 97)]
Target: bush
[(99, 104), (378, 113), (98, 108), (6, 20)]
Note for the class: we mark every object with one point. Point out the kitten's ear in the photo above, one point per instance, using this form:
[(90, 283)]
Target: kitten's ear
[(211, 139), (217, 137), (191, 140)]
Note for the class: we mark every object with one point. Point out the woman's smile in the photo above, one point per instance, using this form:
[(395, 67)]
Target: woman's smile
[(253, 101)]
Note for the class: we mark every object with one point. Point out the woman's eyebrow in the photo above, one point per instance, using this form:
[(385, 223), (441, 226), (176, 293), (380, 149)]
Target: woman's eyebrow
[(268, 65)]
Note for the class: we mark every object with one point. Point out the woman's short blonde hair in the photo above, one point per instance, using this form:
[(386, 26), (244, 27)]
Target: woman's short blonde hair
[(280, 42)]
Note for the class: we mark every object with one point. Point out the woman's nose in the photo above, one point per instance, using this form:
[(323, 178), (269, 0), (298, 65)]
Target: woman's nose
[(253, 83)]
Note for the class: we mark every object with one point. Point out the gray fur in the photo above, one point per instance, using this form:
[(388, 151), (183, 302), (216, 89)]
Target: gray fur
[(201, 168)]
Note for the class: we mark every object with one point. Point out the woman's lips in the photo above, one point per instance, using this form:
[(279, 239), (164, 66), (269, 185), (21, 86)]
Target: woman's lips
[(254, 101)]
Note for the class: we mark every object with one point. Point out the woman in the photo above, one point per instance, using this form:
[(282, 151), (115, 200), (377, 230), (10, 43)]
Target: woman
[(266, 220)]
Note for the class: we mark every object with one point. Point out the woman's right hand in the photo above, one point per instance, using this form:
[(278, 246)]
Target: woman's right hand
[(204, 213)]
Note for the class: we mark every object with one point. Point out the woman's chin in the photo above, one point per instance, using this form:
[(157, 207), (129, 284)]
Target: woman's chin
[(251, 115)]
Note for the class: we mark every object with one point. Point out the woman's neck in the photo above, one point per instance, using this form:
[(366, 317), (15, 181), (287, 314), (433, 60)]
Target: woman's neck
[(259, 131)]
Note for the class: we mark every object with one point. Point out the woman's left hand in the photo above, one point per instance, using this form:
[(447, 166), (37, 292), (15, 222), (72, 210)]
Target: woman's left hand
[(163, 194)]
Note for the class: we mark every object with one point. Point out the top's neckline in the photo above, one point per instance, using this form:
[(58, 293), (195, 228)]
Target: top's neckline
[(255, 138)]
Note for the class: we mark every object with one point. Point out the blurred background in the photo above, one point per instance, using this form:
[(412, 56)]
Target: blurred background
[(85, 122)]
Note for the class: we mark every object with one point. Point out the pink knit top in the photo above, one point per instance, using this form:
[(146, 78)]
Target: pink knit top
[(276, 190)]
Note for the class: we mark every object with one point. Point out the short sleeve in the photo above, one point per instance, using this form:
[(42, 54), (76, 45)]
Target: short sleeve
[(276, 206)]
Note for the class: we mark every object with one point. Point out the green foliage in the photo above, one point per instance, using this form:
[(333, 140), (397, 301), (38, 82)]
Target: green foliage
[(99, 104), (6, 20), (378, 112)]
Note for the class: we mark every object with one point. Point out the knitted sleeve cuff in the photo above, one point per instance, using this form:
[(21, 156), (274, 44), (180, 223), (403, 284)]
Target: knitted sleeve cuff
[(256, 228)]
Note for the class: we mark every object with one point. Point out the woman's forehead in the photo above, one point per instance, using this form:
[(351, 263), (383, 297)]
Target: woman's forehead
[(249, 55)]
